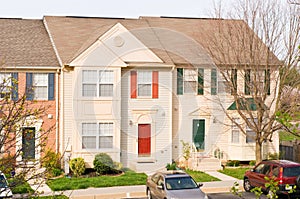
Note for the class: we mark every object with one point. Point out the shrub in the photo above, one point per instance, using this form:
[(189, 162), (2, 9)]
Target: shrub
[(103, 164), (252, 163), (7, 164), (77, 166), (233, 163), (171, 166), (51, 162)]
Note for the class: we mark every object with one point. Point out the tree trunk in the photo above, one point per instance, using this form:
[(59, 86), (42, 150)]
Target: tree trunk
[(258, 148)]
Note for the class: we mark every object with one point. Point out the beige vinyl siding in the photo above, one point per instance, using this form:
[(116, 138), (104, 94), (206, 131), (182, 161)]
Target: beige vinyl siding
[(159, 114)]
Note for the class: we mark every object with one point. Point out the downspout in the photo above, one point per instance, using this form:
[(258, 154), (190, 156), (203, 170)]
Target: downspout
[(57, 110)]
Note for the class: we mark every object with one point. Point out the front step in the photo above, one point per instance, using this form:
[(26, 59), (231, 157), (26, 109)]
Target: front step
[(204, 164)]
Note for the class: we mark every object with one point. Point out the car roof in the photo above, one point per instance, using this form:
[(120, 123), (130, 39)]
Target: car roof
[(283, 163), (173, 173)]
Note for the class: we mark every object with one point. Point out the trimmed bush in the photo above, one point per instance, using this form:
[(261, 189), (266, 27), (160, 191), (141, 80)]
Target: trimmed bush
[(171, 166), (77, 166), (103, 164), (233, 163)]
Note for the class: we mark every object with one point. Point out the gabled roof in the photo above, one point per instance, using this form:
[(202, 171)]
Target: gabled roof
[(174, 40), (25, 43)]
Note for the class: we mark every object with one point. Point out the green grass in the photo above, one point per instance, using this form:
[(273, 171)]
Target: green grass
[(18, 188), (126, 179), (235, 172), (201, 176), (51, 197)]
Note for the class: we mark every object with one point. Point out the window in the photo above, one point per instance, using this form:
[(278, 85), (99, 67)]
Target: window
[(257, 82), (40, 86), (5, 84), (235, 131), (250, 134), (144, 84), (105, 135), (97, 83), (97, 135), (190, 81), (213, 82)]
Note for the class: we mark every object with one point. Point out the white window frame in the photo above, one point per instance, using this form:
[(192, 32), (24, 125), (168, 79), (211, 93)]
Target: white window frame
[(96, 131), (235, 131), (144, 83), (5, 81), (40, 86), (96, 80), (190, 80), (250, 134)]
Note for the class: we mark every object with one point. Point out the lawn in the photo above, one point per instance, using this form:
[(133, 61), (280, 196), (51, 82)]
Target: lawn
[(201, 176), (237, 172), (126, 179)]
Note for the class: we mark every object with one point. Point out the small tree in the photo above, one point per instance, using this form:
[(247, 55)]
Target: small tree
[(77, 166)]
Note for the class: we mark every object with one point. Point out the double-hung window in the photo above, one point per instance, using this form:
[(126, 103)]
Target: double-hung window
[(144, 83), (190, 80), (5, 84), (97, 135), (257, 82), (250, 133), (235, 131), (89, 83), (97, 83), (40, 85), (106, 83)]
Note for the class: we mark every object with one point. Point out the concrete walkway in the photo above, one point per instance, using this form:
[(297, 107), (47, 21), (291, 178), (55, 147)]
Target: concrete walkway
[(132, 191)]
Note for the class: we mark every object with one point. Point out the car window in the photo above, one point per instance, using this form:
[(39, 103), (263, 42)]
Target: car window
[(291, 171), (3, 183), (275, 170), (259, 168), (266, 169), (160, 181), (155, 178), (180, 183)]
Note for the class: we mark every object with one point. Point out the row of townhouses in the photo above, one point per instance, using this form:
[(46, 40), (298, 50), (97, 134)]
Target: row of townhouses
[(131, 88)]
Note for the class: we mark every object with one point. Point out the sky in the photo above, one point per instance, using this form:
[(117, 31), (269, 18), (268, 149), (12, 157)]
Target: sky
[(36, 9)]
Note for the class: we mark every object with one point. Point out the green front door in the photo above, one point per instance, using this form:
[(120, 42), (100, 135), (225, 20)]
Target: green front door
[(199, 134)]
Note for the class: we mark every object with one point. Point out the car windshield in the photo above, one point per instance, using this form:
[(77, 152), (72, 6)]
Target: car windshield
[(291, 171), (180, 183), (3, 183)]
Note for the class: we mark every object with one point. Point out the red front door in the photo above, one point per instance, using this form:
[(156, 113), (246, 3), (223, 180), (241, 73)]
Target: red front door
[(144, 140)]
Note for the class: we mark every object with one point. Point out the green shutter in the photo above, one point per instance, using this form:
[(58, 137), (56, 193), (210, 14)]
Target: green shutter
[(179, 81), (234, 81), (15, 96), (200, 81), (247, 81), (267, 81), (213, 81), (51, 86)]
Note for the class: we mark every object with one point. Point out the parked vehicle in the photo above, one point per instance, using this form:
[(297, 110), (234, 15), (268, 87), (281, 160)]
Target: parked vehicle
[(5, 191), (173, 184), (286, 172)]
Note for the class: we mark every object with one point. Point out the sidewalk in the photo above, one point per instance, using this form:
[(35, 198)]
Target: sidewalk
[(137, 191)]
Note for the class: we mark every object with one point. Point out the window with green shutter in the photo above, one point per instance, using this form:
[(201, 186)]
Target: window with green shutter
[(214, 81), (234, 81), (247, 81), (200, 81)]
